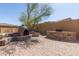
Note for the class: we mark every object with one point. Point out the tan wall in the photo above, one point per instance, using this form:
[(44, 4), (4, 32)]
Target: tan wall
[(64, 25), (8, 29)]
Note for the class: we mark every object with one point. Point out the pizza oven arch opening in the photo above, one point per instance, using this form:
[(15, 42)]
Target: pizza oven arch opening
[(25, 32)]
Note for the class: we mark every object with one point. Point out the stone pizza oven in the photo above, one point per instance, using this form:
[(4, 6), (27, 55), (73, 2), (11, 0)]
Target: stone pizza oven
[(17, 33), (23, 30), (21, 35)]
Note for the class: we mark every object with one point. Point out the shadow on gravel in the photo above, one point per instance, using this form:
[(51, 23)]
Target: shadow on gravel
[(12, 47)]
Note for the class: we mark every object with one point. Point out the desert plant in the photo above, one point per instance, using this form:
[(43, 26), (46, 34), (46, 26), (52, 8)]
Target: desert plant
[(2, 35), (34, 14)]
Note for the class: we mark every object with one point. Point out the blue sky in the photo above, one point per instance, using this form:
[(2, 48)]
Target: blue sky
[(10, 13), (64, 10)]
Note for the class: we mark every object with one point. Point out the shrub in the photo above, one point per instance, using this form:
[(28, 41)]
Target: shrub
[(2, 35)]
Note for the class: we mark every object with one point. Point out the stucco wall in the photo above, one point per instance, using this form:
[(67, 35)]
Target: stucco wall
[(72, 25), (8, 29)]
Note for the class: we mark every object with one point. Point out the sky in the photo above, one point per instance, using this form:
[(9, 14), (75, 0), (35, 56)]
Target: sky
[(64, 10), (10, 13)]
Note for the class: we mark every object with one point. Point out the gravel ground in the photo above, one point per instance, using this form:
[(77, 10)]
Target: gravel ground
[(40, 46)]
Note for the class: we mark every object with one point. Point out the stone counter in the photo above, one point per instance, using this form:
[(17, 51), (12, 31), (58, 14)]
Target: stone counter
[(63, 35)]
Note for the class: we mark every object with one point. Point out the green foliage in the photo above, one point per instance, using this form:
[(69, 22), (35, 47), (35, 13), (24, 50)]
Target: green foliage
[(34, 14), (2, 35)]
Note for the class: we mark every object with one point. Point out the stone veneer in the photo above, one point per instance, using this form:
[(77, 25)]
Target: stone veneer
[(64, 35)]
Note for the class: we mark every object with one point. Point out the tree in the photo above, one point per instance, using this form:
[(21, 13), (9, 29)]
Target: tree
[(34, 14)]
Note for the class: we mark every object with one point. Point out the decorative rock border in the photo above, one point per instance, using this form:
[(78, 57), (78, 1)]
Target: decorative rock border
[(6, 40)]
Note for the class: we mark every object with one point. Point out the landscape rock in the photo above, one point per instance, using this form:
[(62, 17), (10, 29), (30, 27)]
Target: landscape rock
[(35, 35)]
